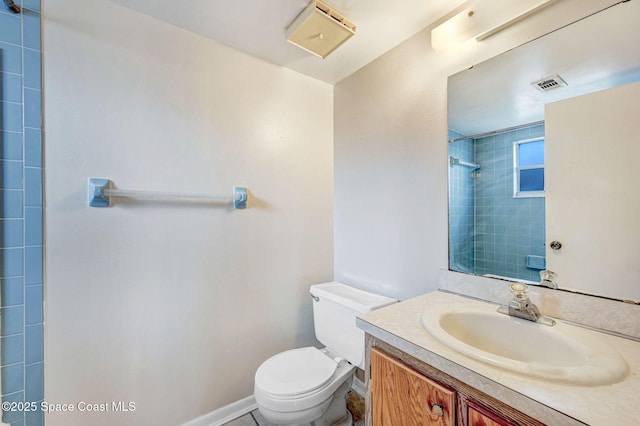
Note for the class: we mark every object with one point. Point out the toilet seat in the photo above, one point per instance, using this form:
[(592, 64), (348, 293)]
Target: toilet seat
[(295, 373), (281, 390)]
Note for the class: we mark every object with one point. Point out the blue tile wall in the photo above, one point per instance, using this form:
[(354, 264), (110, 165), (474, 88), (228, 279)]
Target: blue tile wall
[(461, 206), (490, 231), (21, 211), (508, 229)]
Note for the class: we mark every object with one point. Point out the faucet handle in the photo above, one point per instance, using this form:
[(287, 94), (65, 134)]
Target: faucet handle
[(548, 278), (519, 291)]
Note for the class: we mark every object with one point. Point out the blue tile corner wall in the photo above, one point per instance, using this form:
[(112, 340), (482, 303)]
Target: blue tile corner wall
[(507, 229), (490, 231), (21, 212), (461, 206)]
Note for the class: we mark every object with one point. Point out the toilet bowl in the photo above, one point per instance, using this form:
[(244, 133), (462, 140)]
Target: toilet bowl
[(308, 386), (300, 385)]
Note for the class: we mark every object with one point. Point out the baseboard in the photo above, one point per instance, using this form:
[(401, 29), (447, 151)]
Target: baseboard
[(225, 414), (358, 386), (239, 408)]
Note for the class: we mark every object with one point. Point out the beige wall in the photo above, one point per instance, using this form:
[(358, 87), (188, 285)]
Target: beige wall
[(173, 306), (391, 156)]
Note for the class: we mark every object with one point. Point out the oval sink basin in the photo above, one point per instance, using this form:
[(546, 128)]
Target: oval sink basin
[(561, 353)]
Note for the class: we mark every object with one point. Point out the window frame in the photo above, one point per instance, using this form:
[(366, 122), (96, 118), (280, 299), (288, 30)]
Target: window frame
[(516, 170)]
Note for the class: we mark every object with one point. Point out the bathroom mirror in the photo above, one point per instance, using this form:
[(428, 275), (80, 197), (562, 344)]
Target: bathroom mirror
[(499, 148)]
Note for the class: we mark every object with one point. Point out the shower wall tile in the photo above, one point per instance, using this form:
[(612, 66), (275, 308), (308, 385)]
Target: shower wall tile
[(34, 344), (32, 108), (10, 116), (12, 320), (12, 262), (13, 378), (11, 148), (33, 187), (31, 4), (31, 29), (13, 416), (11, 204), (34, 418), (11, 88), (32, 147), (33, 226), (32, 66), (12, 291), (11, 174), (34, 385), (10, 28), (21, 201), (11, 58), (11, 232), (33, 265), (12, 349), (33, 305)]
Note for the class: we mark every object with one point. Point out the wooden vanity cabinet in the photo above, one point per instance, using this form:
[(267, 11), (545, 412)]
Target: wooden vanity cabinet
[(404, 391), (400, 392)]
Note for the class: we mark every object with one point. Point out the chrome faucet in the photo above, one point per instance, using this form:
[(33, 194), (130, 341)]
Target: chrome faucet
[(521, 307)]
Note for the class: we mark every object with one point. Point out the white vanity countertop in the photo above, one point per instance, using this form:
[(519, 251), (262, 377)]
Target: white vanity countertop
[(555, 404)]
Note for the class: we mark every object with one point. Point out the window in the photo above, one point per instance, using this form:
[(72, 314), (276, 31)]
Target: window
[(528, 168)]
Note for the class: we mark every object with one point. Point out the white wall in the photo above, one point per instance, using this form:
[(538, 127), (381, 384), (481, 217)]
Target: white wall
[(173, 306), (391, 156)]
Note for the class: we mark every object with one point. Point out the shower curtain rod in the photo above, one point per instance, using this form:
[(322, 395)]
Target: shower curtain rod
[(100, 193), (495, 132)]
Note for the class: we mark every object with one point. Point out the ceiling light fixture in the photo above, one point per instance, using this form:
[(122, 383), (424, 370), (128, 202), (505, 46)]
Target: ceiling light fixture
[(480, 19), (319, 29)]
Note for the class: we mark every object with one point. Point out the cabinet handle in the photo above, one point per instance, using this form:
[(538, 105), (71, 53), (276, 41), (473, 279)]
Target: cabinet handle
[(437, 409)]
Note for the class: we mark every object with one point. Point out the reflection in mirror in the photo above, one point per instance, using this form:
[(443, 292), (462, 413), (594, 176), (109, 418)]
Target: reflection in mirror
[(498, 211), (496, 229)]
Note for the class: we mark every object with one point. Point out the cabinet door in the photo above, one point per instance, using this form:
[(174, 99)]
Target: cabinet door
[(477, 415), (403, 397)]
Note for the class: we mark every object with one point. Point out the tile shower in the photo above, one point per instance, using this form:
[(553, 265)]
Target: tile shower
[(491, 232), (21, 212)]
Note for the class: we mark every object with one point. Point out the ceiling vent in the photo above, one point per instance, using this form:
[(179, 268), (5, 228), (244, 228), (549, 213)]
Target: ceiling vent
[(550, 83), (319, 29)]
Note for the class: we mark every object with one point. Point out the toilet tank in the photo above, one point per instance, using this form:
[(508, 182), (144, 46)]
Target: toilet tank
[(335, 307)]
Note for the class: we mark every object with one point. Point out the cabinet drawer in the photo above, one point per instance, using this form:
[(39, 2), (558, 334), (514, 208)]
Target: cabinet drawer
[(403, 397), (477, 415)]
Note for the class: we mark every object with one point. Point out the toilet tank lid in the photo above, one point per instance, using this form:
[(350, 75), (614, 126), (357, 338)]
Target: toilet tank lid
[(359, 300)]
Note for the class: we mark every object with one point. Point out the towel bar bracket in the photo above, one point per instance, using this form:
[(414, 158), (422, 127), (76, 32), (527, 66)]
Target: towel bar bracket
[(240, 203), (97, 197)]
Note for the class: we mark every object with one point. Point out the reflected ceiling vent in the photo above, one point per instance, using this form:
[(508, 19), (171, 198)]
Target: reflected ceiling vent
[(319, 29), (549, 84)]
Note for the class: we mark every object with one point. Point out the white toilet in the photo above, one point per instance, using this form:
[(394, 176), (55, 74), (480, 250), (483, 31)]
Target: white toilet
[(309, 385)]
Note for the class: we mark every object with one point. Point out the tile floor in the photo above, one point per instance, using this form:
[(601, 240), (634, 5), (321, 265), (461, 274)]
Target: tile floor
[(253, 418), (355, 404)]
